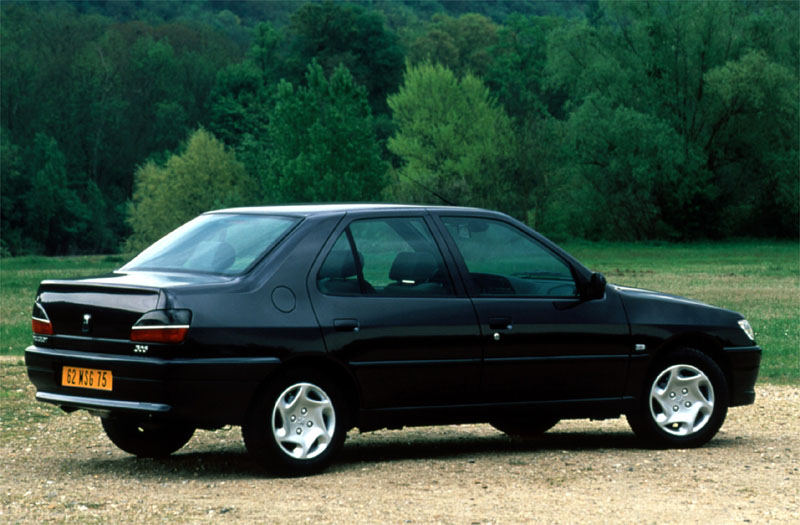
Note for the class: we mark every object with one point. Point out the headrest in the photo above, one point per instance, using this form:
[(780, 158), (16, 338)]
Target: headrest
[(339, 265), (415, 267)]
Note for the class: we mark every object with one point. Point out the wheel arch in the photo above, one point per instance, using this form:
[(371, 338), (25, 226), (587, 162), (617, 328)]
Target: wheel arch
[(701, 342), (322, 364)]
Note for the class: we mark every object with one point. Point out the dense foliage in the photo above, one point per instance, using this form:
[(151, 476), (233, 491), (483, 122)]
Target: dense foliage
[(623, 120), (204, 176), (456, 142)]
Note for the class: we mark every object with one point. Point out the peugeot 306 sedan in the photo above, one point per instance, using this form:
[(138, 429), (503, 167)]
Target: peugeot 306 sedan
[(301, 322)]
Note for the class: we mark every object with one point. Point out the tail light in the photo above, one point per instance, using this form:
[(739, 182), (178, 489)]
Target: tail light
[(162, 326), (40, 322)]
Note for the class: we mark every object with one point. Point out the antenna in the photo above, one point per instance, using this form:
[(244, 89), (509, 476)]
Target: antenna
[(424, 187)]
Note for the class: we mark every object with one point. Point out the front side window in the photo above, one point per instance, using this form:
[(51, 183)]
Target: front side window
[(503, 260), (390, 257), (218, 243)]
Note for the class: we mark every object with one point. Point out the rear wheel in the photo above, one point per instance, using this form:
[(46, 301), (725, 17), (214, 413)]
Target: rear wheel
[(526, 427), (297, 424), (684, 401), (147, 439)]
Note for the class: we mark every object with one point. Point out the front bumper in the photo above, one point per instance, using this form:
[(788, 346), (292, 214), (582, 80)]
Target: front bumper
[(205, 392), (744, 365)]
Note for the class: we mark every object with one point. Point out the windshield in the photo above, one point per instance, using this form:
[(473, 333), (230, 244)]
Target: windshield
[(218, 243)]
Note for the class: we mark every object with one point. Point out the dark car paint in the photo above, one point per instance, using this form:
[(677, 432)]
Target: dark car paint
[(585, 343), (405, 352), (662, 321), (411, 360)]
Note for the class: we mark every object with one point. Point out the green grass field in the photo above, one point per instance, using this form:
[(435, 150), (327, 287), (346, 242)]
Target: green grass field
[(760, 279)]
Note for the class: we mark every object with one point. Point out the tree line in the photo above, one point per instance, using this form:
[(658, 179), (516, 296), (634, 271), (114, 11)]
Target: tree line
[(599, 120)]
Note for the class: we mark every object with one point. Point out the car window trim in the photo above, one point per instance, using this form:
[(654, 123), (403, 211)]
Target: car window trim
[(457, 286), (356, 260), (469, 283)]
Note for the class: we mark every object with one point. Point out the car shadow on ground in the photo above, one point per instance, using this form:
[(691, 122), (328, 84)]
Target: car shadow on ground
[(474, 447), (232, 462)]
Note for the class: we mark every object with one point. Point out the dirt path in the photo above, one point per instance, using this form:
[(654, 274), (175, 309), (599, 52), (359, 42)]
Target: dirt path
[(56, 468)]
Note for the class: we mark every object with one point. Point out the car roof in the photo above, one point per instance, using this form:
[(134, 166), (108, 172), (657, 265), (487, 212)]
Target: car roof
[(313, 209)]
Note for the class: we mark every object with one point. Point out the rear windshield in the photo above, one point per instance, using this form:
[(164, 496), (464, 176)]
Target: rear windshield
[(219, 243)]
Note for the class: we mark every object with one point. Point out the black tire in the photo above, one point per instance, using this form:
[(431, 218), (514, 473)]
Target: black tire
[(527, 428), (683, 402), (297, 424), (147, 439)]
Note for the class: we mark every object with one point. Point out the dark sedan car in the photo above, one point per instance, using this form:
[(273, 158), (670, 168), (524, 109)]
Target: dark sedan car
[(301, 322)]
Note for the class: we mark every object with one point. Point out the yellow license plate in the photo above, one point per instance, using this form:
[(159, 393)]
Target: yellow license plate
[(86, 378)]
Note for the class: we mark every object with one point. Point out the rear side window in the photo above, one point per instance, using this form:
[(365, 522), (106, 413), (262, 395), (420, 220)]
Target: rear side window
[(390, 257), (226, 244), (503, 260)]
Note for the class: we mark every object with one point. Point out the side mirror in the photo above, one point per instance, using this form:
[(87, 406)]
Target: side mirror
[(595, 288)]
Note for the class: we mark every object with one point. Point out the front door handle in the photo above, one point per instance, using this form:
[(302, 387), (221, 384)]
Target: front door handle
[(500, 323), (346, 325)]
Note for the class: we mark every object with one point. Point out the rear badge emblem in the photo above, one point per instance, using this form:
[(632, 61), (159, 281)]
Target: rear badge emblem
[(87, 320)]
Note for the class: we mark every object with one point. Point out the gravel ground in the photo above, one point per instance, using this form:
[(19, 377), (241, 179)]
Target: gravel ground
[(57, 467)]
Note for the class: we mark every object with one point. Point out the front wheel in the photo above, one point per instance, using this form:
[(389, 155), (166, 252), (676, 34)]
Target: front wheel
[(147, 439), (684, 402), (297, 424)]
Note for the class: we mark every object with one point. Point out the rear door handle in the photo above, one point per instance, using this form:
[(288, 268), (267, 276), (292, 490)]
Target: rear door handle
[(500, 323), (346, 325)]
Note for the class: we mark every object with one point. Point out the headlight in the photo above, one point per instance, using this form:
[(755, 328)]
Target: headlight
[(747, 329)]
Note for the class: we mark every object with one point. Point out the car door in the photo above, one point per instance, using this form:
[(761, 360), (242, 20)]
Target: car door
[(388, 307), (541, 340)]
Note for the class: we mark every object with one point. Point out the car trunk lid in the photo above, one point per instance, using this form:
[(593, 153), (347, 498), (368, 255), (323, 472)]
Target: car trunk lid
[(95, 311), (96, 314)]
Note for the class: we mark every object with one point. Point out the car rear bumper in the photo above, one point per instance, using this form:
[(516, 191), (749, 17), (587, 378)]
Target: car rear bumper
[(744, 364), (204, 391)]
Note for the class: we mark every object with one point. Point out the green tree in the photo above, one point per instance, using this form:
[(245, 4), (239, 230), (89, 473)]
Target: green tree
[(516, 78), (320, 144), (517, 72), (265, 52), (753, 143), (702, 69), (43, 210), (14, 186), (635, 164), (240, 104), (338, 33), (455, 142), (109, 94), (55, 213), (243, 94), (202, 177), (461, 44)]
